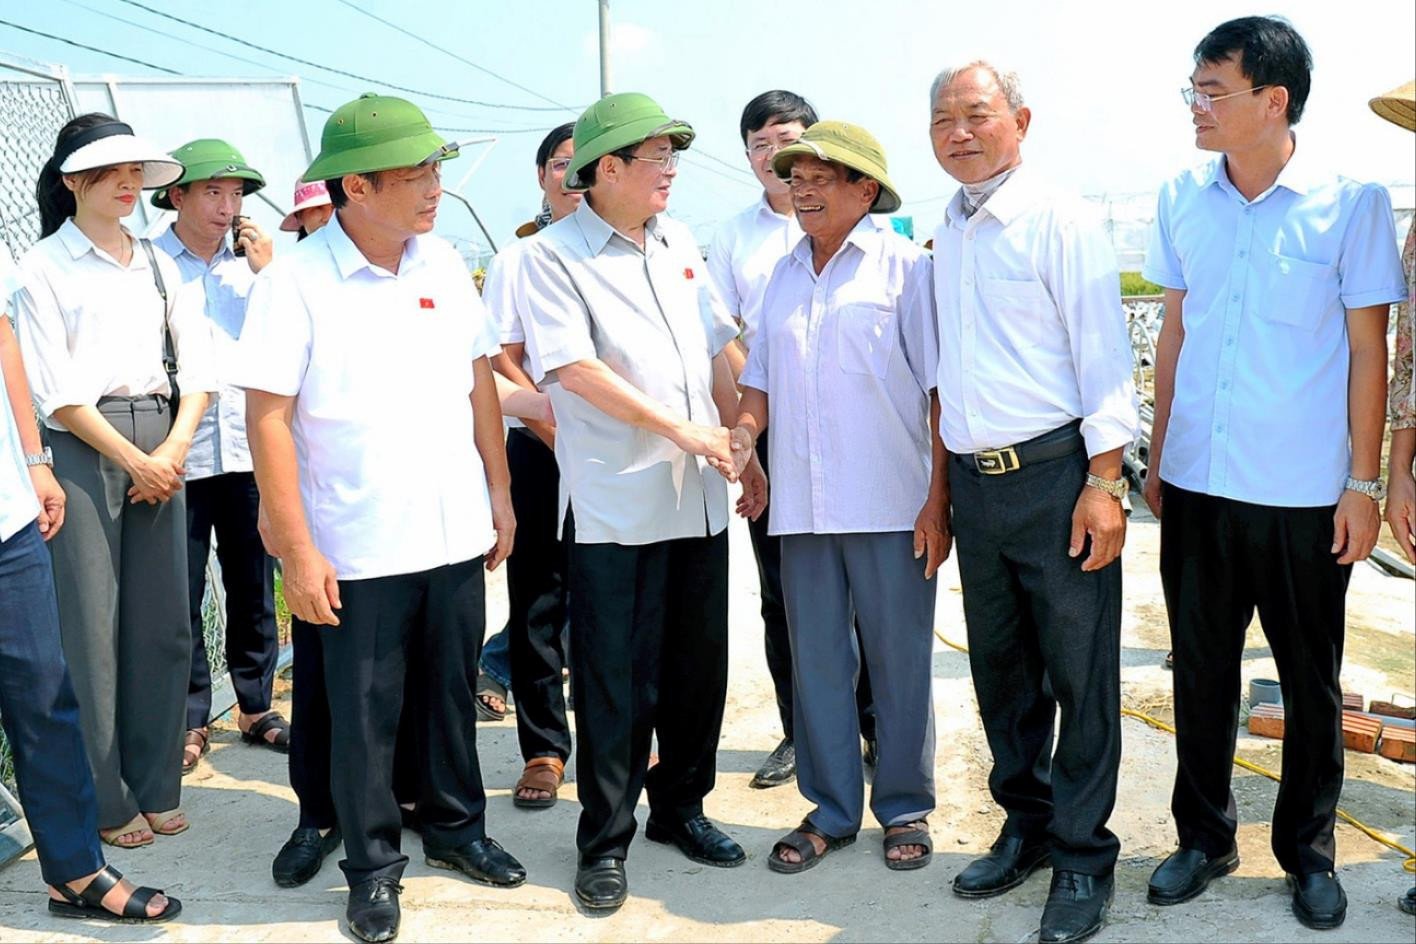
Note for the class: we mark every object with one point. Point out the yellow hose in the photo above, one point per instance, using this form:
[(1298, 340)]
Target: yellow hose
[(1409, 864)]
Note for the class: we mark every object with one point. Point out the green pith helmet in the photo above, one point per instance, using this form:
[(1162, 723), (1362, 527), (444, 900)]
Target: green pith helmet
[(846, 144), (207, 159), (618, 121), (373, 133)]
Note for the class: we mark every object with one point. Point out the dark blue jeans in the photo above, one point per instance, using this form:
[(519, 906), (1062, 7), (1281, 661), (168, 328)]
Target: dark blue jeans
[(41, 715)]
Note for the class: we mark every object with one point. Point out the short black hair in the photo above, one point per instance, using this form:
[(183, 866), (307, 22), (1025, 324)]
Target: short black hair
[(775, 107), (1269, 51), (555, 139), (587, 173), (338, 198)]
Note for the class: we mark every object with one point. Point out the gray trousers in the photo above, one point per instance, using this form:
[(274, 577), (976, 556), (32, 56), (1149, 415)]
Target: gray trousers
[(120, 570), (829, 583)]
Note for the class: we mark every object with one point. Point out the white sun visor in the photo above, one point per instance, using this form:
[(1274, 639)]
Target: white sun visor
[(115, 143)]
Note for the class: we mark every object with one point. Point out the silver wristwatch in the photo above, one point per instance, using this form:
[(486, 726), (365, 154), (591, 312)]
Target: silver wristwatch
[(43, 457), (1375, 489), (1116, 488)]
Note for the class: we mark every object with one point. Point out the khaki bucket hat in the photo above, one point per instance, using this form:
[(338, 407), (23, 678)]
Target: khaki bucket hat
[(374, 133), (847, 144), (1398, 106), (207, 159), (618, 121)]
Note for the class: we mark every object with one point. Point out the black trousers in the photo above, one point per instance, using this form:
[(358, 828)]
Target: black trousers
[(1219, 561), (538, 605), (228, 504), (423, 630), (649, 652), (1042, 634), (767, 549), (309, 757)]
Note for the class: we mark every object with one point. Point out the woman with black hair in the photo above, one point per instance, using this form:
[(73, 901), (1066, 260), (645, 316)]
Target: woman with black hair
[(108, 333)]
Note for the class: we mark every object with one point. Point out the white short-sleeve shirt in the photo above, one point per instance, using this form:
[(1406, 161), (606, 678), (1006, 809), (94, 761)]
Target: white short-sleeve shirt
[(1259, 412), (502, 295), (652, 316), (91, 327), (744, 251), (847, 359), (381, 369), (18, 505)]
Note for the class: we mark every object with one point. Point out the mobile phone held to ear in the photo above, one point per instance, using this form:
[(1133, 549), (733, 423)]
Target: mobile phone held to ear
[(236, 223)]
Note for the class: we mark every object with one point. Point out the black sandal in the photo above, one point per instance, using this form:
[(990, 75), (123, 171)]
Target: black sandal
[(270, 721), (917, 834), (798, 840), (88, 904)]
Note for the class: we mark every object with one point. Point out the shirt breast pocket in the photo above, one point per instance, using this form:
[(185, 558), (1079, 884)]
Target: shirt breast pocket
[(1299, 292), (1018, 308), (865, 338)]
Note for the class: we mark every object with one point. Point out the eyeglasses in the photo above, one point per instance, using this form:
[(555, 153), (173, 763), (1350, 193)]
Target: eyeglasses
[(764, 148), (666, 163), (558, 165), (1205, 102)]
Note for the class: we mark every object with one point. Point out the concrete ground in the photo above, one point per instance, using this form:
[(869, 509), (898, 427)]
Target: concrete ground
[(242, 810)]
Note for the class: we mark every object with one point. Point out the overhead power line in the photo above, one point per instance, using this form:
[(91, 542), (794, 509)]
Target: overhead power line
[(347, 74), (79, 45)]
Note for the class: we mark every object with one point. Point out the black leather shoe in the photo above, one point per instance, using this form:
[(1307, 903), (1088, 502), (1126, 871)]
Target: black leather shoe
[(1076, 907), (600, 884), (1008, 864), (299, 860), (778, 768), (373, 911), (698, 839), (1187, 872), (1407, 902), (1318, 900), (481, 860)]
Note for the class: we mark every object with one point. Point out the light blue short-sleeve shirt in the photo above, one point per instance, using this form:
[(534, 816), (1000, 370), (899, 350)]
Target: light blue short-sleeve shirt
[(1259, 413)]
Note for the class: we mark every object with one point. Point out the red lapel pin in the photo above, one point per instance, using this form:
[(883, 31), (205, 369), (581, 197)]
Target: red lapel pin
[(688, 273), (426, 303)]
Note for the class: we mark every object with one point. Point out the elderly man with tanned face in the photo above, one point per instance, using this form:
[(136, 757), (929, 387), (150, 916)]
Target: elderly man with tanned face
[(844, 361), (627, 336), (1036, 406), (385, 503)]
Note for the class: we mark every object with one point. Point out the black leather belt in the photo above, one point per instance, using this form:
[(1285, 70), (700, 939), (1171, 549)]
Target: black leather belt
[(1054, 444)]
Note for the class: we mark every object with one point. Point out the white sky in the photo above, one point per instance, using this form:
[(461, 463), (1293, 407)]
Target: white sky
[(1102, 78)]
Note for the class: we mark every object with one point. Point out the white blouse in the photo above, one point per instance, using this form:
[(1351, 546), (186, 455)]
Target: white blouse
[(90, 327)]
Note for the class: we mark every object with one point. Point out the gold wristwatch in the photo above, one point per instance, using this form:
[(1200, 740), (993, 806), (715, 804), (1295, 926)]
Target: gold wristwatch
[(1117, 488)]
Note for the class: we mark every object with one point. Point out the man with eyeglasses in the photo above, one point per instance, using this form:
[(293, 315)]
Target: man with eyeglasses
[(744, 251), (536, 577), (1265, 455), (1036, 405), (385, 509), (628, 338)]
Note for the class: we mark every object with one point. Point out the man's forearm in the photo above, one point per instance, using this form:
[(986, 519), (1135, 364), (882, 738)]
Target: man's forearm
[(736, 352), (752, 412), (1367, 389), (487, 425), (1403, 450), (939, 454), (1167, 357), (725, 391), (273, 454), (17, 389), (611, 394)]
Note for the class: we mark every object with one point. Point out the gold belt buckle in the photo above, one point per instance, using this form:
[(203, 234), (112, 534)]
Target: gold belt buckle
[(997, 461)]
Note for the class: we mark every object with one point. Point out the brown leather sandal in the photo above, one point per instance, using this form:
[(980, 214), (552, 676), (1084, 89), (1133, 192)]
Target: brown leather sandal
[(541, 773)]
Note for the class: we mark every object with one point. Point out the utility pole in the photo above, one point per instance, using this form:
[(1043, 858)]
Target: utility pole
[(604, 48)]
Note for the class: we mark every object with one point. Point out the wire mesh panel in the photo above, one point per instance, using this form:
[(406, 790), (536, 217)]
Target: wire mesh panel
[(32, 110)]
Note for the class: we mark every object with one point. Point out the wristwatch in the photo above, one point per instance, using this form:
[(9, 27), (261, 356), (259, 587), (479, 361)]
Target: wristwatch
[(43, 457), (1116, 488), (1375, 489)]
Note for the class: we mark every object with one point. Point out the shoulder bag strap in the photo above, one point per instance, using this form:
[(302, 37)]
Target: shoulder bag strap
[(169, 351)]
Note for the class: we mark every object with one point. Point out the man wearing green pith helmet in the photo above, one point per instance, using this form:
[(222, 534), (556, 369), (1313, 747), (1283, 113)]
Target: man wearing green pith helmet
[(377, 439), (626, 334), (220, 483)]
